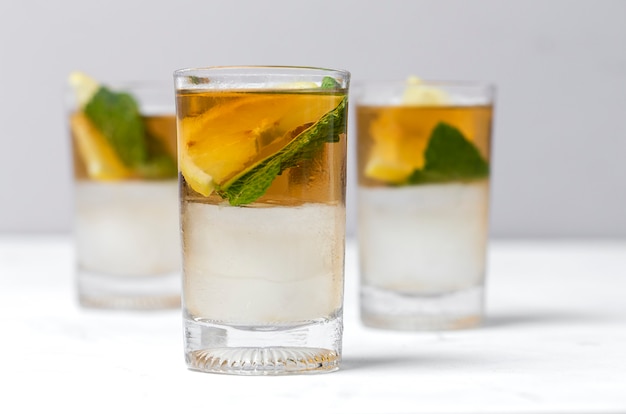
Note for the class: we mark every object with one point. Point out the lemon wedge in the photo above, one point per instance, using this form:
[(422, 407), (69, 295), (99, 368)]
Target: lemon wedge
[(100, 159), (416, 93), (228, 138), (84, 87), (298, 85), (398, 147), (387, 171), (196, 178)]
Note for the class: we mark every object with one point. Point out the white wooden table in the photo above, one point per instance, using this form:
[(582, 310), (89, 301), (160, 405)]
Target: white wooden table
[(554, 342)]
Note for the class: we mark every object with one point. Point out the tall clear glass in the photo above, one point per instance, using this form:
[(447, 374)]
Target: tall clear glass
[(262, 161), (423, 197), (126, 200)]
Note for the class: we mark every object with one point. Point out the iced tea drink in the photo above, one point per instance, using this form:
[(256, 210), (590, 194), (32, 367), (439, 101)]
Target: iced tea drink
[(423, 195), (262, 159), (126, 200)]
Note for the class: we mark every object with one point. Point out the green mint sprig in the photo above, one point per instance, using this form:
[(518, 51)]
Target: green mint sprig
[(449, 156), (116, 115), (330, 83), (253, 182)]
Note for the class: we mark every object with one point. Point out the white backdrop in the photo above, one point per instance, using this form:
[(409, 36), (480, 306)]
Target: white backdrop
[(560, 68)]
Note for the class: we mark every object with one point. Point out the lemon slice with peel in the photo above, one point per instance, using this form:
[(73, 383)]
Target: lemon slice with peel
[(388, 171), (84, 87), (101, 161), (196, 177), (99, 157), (298, 85), (416, 93), (397, 150), (228, 138)]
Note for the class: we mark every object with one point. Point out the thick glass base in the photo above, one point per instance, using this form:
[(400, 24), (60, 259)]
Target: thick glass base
[(263, 350), (386, 309), (97, 290)]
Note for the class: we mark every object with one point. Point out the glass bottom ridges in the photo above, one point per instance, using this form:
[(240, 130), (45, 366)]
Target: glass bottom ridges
[(104, 291), (384, 309), (264, 350)]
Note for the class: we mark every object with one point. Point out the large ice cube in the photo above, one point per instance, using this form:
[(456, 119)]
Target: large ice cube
[(424, 239), (127, 228), (251, 266)]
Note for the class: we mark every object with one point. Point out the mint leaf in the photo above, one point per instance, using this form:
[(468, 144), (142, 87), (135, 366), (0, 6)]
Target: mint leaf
[(252, 183), (450, 157), (117, 116), (197, 80), (330, 83)]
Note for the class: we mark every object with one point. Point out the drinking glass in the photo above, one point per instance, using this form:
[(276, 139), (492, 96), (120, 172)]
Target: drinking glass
[(262, 161), (423, 195), (126, 229)]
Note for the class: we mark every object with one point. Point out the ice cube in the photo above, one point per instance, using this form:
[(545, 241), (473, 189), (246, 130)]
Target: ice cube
[(127, 228), (251, 266), (423, 239)]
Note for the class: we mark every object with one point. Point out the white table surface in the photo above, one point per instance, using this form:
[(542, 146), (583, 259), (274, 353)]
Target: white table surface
[(554, 342)]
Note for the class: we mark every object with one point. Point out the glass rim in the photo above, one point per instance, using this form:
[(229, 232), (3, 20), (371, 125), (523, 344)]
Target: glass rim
[(390, 91), (426, 82), (148, 93), (251, 68), (136, 83), (121, 84)]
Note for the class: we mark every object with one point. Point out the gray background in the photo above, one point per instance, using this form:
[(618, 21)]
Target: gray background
[(560, 68)]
